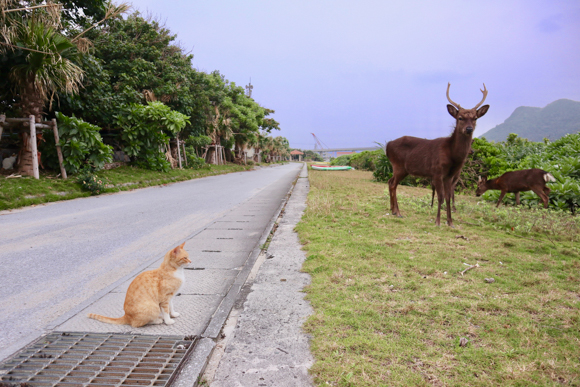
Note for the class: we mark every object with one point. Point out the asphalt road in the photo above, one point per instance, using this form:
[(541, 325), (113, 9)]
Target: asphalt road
[(54, 258)]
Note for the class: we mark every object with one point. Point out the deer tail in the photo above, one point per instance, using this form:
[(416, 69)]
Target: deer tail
[(110, 320), (548, 177)]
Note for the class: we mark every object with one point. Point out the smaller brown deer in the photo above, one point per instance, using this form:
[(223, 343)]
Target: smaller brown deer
[(518, 181)]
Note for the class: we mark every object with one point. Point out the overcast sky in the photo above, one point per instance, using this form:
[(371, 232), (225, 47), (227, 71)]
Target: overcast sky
[(355, 72)]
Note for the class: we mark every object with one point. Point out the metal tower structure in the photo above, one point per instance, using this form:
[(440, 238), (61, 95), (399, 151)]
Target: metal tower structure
[(318, 145)]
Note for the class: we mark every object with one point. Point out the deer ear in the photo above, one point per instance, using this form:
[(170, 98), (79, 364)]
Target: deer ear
[(479, 180), (452, 110), (482, 110)]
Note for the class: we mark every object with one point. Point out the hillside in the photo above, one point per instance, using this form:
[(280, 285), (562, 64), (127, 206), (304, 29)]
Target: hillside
[(553, 121)]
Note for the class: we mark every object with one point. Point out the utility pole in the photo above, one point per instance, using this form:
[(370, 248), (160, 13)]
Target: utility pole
[(249, 88)]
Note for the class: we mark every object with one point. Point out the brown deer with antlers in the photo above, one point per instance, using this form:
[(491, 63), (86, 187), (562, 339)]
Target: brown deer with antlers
[(440, 160)]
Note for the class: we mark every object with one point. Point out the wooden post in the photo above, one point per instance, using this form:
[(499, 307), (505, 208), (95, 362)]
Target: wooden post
[(178, 151), (58, 149), (2, 120), (224, 155), (184, 154), (32, 125)]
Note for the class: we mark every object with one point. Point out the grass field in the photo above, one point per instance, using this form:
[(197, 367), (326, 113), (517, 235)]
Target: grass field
[(391, 307), (26, 191)]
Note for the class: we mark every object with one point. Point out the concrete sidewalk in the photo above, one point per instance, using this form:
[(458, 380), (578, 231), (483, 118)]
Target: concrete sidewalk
[(263, 343)]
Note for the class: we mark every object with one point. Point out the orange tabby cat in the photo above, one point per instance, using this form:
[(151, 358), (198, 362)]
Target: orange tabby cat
[(149, 298)]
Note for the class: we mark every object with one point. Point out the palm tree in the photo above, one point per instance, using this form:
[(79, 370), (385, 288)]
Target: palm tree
[(48, 69), (268, 146), (48, 66)]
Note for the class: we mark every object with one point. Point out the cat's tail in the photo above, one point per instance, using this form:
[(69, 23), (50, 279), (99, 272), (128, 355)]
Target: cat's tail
[(110, 320)]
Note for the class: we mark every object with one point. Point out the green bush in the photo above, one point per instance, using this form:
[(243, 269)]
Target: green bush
[(193, 161), (90, 182), (198, 143), (341, 160), (383, 170), (146, 131), (81, 144), (366, 160)]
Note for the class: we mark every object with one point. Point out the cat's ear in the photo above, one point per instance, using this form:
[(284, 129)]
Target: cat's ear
[(181, 245), (175, 250)]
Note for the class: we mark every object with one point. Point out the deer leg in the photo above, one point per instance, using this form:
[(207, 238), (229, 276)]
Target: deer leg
[(453, 193), (517, 198), (453, 209), (542, 196), (393, 182), (448, 185), (432, 194), (547, 191), (440, 198), (501, 195), (391, 199)]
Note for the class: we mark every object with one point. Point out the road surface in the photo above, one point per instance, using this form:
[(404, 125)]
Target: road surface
[(57, 257)]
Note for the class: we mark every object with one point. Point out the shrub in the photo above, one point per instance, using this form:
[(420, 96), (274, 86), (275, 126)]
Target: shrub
[(193, 161), (81, 144), (341, 160), (146, 131), (91, 182), (383, 170), (198, 142), (366, 160)]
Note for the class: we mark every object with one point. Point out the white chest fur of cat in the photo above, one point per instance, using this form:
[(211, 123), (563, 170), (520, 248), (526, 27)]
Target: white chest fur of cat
[(149, 298)]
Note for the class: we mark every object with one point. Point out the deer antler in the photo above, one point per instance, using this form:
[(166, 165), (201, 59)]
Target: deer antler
[(449, 99), (484, 91)]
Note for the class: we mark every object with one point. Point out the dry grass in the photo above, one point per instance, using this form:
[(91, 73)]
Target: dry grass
[(391, 306)]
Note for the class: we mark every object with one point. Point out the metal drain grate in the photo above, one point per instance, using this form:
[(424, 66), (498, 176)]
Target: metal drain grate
[(93, 359)]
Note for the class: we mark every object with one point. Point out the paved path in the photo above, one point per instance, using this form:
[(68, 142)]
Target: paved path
[(60, 260)]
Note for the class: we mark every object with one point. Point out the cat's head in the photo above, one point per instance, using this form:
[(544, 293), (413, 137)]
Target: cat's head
[(178, 256)]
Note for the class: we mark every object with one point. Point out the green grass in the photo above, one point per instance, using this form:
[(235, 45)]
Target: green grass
[(26, 191), (390, 304)]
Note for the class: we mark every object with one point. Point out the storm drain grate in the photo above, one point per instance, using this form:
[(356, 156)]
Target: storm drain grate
[(93, 359)]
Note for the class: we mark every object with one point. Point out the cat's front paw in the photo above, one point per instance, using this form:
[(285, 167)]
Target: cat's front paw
[(175, 314), (169, 321)]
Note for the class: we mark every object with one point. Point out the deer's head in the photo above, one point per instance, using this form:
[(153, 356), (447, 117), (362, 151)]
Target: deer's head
[(481, 186), (466, 118)]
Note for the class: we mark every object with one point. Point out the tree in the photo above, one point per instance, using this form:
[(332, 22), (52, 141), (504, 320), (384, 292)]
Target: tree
[(43, 57)]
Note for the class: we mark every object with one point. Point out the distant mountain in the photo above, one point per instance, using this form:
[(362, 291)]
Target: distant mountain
[(553, 121)]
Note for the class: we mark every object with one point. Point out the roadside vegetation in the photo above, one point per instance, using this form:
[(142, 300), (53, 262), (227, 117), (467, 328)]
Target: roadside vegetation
[(121, 90), (393, 308), (26, 191)]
